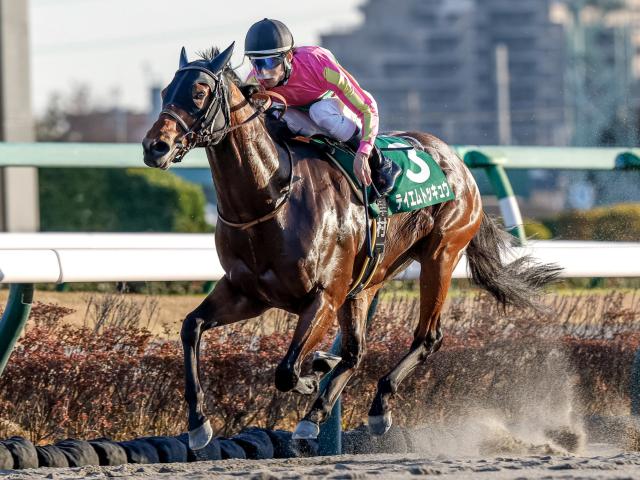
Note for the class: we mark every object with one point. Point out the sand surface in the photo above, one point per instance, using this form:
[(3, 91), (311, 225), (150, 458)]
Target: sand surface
[(598, 461)]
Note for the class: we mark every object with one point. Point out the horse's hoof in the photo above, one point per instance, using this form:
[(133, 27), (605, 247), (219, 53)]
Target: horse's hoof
[(324, 362), (306, 430), (201, 436), (380, 424), (306, 386)]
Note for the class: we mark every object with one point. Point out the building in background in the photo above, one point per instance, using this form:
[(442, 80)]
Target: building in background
[(602, 68), (431, 65), (602, 78), (525, 72)]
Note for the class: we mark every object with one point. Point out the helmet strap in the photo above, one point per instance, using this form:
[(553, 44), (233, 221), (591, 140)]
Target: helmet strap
[(287, 71)]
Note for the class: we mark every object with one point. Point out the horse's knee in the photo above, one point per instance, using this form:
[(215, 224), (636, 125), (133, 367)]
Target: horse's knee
[(286, 378), (190, 328)]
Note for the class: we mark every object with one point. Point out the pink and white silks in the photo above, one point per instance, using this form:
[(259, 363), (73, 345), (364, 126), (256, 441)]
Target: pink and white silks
[(337, 104)]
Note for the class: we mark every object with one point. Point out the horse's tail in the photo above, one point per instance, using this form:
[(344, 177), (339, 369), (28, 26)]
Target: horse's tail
[(518, 283)]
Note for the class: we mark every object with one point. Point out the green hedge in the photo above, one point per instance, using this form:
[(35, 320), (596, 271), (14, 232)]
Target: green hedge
[(119, 200), (613, 223), (536, 230)]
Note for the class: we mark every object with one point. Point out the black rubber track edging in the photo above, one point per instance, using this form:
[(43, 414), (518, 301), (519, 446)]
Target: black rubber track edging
[(255, 442), (252, 443), (80, 453), (51, 456), (23, 452), (140, 451), (110, 453), (170, 449), (281, 441), (6, 459), (230, 449)]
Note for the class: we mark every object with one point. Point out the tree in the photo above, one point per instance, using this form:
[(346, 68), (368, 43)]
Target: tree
[(53, 125)]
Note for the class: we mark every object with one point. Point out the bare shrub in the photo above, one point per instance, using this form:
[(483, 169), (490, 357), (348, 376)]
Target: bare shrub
[(118, 310), (113, 378)]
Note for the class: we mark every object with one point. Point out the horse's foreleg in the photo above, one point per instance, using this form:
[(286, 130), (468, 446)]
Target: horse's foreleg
[(353, 318), (312, 325), (437, 264), (223, 306)]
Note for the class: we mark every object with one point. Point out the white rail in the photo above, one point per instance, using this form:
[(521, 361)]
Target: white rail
[(90, 257), (22, 241)]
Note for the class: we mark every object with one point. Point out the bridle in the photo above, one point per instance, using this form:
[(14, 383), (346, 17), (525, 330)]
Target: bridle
[(207, 134)]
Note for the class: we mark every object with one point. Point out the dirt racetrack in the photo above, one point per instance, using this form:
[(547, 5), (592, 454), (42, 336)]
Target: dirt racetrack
[(598, 461)]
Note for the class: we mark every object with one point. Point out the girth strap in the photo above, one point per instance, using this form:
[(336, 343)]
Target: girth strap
[(378, 234)]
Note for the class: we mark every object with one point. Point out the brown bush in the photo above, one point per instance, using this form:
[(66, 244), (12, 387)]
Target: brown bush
[(119, 381)]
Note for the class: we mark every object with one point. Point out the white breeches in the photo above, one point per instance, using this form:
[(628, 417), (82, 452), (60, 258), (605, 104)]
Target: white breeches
[(329, 117)]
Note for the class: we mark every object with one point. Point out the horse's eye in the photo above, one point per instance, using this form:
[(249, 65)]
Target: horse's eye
[(200, 95)]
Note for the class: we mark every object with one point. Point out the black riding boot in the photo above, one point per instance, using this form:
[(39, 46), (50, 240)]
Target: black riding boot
[(384, 172)]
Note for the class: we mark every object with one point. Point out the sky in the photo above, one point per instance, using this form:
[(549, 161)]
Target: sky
[(119, 48)]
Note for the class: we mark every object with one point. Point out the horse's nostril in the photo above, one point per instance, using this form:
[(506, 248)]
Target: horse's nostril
[(160, 147)]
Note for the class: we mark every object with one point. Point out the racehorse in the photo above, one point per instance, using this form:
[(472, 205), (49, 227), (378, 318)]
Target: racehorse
[(291, 235)]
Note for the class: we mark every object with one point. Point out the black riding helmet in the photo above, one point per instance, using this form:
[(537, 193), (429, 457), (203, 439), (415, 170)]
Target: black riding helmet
[(267, 38), (267, 42)]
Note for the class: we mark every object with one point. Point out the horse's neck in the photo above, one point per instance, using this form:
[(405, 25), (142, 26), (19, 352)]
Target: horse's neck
[(246, 170)]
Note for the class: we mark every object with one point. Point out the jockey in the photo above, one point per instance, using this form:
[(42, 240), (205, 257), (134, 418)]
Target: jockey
[(329, 101)]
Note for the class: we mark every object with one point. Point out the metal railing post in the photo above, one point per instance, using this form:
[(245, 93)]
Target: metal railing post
[(14, 319), (501, 185), (330, 436), (629, 160)]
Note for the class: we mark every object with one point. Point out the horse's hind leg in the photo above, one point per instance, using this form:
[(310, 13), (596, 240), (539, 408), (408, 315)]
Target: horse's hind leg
[(438, 259), (223, 306), (353, 318)]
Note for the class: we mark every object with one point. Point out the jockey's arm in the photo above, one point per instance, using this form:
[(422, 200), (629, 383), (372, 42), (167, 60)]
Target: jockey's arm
[(356, 99)]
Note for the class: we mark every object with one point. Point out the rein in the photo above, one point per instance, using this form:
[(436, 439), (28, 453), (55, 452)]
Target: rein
[(207, 136)]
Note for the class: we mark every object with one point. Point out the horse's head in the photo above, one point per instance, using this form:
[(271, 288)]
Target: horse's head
[(195, 111)]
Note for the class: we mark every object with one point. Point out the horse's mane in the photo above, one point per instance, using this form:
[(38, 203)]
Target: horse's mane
[(247, 89)]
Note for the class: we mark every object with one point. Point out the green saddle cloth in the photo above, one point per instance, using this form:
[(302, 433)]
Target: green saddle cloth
[(422, 182)]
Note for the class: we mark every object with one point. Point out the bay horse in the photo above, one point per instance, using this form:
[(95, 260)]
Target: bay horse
[(291, 235)]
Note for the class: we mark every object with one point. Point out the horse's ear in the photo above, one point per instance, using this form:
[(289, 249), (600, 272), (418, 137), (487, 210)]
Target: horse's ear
[(184, 61), (221, 60)]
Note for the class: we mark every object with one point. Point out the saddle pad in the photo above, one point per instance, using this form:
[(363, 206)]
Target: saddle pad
[(422, 182)]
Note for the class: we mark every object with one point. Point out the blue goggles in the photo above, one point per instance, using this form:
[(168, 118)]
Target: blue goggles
[(266, 63)]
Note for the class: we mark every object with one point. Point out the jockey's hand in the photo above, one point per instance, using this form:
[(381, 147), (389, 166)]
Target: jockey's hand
[(361, 168)]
